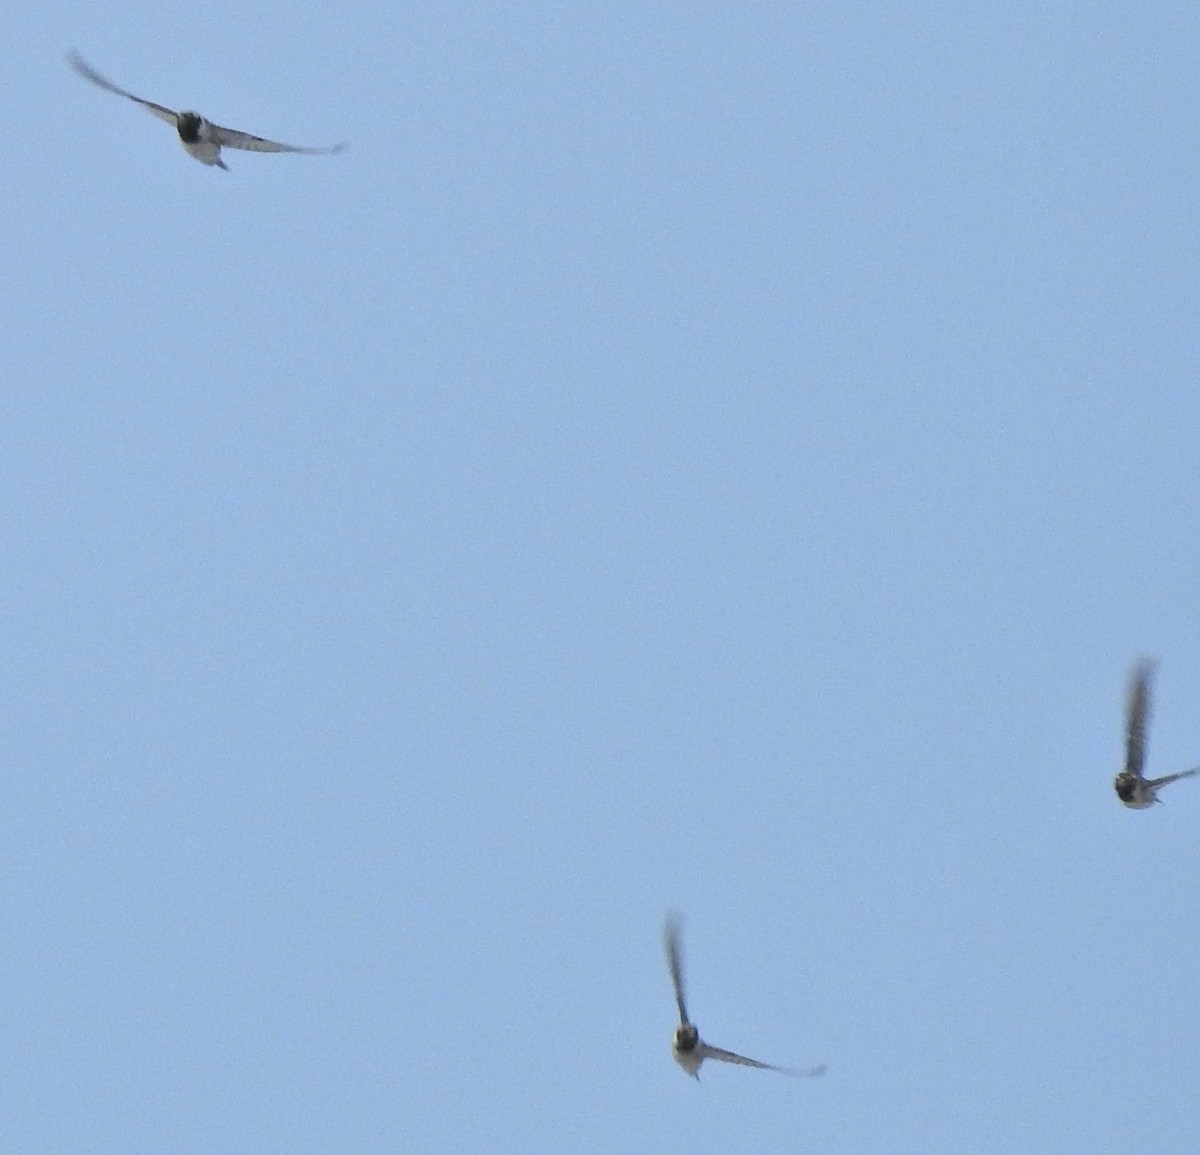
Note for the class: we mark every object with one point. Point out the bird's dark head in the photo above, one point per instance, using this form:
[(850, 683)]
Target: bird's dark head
[(188, 126), (686, 1038), (1125, 787)]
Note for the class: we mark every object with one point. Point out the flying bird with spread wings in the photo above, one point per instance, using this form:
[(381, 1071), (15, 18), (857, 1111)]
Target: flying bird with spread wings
[(1132, 787), (689, 1049), (202, 139)]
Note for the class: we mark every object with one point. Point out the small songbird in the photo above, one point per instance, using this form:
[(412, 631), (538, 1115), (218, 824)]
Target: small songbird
[(202, 139), (688, 1048), (1137, 792)]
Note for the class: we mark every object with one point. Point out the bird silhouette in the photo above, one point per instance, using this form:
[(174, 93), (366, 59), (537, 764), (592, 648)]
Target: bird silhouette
[(689, 1049), (1135, 790), (201, 138)]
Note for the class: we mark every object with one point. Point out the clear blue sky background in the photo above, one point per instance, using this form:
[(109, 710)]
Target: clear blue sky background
[(713, 457)]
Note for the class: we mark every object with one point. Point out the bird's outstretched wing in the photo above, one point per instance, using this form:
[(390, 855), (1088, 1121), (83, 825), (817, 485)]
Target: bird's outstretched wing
[(85, 70), (1137, 713), (675, 963), (232, 138), (1157, 782), (709, 1052)]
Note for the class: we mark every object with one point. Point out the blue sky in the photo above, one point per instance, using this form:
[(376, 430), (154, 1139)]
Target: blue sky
[(717, 458)]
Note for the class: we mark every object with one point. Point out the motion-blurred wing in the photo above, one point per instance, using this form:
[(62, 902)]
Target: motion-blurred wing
[(85, 70), (675, 962), (708, 1052), (1138, 712), (232, 138), (1157, 782)]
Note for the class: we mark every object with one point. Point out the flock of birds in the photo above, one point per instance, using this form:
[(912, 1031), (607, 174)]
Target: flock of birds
[(1133, 788), (204, 140)]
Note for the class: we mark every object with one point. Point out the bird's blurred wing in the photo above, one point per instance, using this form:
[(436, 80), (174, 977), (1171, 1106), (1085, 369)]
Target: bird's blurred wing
[(674, 954), (232, 138), (1155, 783), (85, 70), (1137, 713), (709, 1052)]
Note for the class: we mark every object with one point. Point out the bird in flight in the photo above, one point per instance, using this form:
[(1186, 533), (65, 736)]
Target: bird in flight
[(202, 139), (1137, 792), (688, 1048)]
